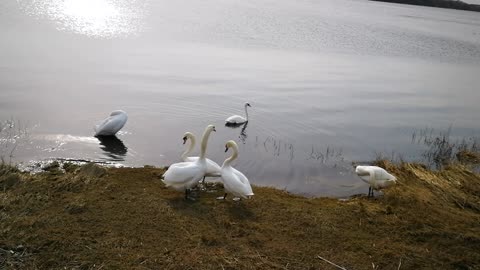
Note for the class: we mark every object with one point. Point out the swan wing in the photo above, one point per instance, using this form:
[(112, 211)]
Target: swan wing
[(182, 173), (235, 119), (241, 177), (195, 179), (98, 127), (190, 159), (383, 179), (213, 169), (382, 174), (236, 183), (110, 125)]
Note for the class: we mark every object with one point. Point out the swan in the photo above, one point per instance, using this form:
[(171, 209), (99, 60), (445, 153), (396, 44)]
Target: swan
[(234, 181), (185, 175), (378, 178), (213, 169), (112, 124), (237, 119)]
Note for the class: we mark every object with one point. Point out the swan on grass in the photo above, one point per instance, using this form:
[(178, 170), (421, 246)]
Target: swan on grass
[(234, 181), (112, 124), (213, 169), (237, 119), (185, 175), (378, 178)]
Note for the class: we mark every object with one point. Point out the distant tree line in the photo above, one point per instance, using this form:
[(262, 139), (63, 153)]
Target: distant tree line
[(453, 4)]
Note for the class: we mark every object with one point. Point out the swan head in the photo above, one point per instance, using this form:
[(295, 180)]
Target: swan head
[(186, 136), (247, 104), (211, 128), (117, 112), (230, 144)]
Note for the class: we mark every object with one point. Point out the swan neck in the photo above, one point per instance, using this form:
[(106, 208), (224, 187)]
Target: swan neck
[(189, 149), (203, 147), (246, 112), (234, 156)]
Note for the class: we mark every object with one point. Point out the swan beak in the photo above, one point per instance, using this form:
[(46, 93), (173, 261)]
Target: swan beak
[(184, 140), (226, 148), (248, 104), (214, 129)]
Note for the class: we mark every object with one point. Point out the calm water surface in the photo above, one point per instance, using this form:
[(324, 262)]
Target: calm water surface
[(329, 81)]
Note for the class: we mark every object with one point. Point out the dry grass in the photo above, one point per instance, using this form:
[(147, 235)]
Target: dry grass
[(96, 218)]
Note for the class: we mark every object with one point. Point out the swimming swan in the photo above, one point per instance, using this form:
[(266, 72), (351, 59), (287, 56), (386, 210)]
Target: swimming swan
[(185, 175), (237, 119), (376, 177), (213, 169), (234, 181), (112, 124)]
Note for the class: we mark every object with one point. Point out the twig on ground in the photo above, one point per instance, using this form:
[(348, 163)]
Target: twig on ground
[(336, 265)]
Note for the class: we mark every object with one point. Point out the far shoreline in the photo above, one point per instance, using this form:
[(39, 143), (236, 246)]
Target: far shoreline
[(448, 4)]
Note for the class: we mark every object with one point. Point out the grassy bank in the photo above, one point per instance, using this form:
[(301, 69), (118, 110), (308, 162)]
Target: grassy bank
[(124, 218)]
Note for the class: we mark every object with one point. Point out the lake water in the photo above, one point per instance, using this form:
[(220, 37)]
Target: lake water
[(329, 81)]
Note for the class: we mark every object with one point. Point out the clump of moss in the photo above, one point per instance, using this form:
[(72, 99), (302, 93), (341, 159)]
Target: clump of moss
[(9, 176)]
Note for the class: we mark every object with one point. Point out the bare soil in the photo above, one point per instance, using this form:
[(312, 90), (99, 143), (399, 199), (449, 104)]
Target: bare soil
[(91, 217)]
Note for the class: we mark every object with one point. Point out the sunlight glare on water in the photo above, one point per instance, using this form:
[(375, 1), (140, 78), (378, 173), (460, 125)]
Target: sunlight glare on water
[(96, 18)]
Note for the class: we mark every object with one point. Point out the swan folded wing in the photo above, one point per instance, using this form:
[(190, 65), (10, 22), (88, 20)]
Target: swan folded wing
[(100, 126), (381, 174), (237, 184), (190, 159), (213, 169), (110, 126), (182, 173), (241, 177), (235, 119)]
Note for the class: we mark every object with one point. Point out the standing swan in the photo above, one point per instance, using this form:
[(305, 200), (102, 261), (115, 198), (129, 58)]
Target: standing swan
[(213, 169), (234, 181), (237, 119), (111, 124), (376, 177), (185, 175)]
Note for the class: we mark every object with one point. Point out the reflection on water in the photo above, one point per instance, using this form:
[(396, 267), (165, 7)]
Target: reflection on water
[(62, 146), (324, 156), (100, 18), (243, 134), (276, 147), (113, 147)]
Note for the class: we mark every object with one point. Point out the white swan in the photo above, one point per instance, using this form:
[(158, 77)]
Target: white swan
[(112, 124), (213, 169), (237, 119), (376, 177), (234, 181), (185, 175)]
